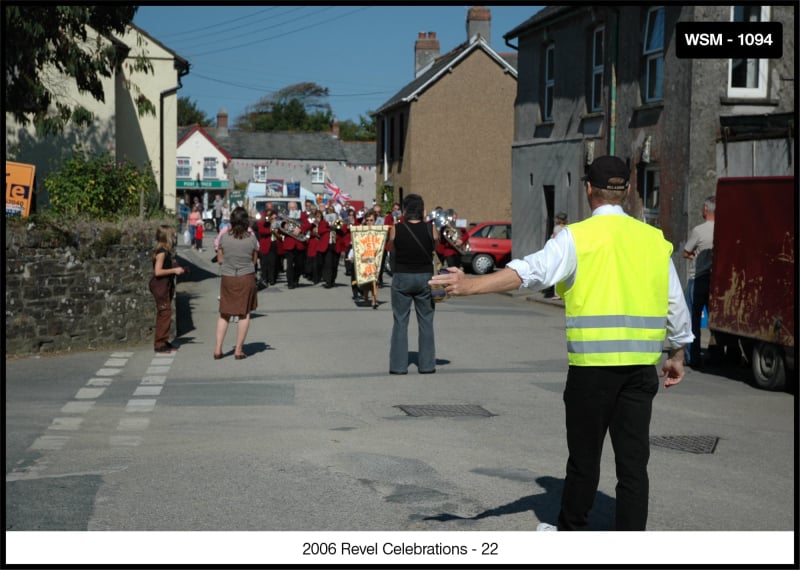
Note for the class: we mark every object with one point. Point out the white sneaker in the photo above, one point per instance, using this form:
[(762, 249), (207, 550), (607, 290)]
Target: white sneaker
[(546, 526)]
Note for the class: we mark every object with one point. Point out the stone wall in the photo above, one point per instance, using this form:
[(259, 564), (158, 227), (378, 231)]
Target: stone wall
[(76, 296)]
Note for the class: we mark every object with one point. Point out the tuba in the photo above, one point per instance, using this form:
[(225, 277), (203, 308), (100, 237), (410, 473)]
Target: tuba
[(444, 220), (286, 225)]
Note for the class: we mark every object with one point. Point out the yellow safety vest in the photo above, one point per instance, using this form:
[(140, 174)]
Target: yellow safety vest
[(616, 306)]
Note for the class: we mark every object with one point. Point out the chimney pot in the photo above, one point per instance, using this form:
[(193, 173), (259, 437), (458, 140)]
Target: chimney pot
[(426, 49)]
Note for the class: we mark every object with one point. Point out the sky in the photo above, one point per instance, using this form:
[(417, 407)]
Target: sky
[(362, 54)]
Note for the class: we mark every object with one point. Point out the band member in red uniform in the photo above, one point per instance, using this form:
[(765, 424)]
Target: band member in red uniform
[(448, 254), (321, 234), (295, 252), (268, 244)]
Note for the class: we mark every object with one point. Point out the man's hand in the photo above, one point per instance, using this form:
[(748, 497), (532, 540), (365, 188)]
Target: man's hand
[(673, 368), (454, 282)]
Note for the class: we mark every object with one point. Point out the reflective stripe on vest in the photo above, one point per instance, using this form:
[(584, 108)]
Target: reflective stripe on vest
[(616, 307)]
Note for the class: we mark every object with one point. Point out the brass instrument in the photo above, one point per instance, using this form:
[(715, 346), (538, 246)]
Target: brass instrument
[(287, 225), (276, 232), (444, 220)]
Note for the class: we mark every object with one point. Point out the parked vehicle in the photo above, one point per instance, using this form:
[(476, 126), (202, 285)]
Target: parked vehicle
[(751, 302), (489, 247)]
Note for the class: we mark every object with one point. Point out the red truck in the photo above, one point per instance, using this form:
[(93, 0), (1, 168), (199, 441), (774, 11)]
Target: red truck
[(751, 301)]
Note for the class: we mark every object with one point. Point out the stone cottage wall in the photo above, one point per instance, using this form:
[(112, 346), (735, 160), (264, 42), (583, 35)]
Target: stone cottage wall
[(67, 297)]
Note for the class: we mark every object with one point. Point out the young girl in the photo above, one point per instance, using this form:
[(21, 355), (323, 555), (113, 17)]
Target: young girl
[(198, 236), (162, 285)]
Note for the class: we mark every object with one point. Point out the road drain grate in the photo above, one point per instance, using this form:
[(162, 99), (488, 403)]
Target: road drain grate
[(445, 410), (688, 443)]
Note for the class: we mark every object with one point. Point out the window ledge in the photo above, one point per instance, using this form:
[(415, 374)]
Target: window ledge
[(651, 105), (593, 115), (547, 123), (760, 101)]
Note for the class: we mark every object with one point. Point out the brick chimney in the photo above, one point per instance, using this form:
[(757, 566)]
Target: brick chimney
[(222, 123), (479, 21), (335, 128), (426, 49)]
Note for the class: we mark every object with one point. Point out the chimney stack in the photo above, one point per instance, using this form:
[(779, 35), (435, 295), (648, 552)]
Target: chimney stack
[(222, 123), (335, 128), (479, 21), (426, 49)]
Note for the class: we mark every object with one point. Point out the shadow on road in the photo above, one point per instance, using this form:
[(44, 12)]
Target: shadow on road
[(545, 507)]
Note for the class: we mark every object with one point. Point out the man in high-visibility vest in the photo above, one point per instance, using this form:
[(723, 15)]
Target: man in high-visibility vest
[(623, 298)]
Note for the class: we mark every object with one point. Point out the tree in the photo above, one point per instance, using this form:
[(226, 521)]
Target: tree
[(189, 114), (365, 130), (41, 38), (298, 107)]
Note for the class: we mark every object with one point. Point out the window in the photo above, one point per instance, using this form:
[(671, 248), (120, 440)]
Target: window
[(596, 100), (260, 173), (184, 167), (653, 52), (317, 175), (549, 82), (209, 167), (748, 77), (650, 193)]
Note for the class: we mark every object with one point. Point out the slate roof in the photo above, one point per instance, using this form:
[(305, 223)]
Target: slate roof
[(289, 145), (440, 66), (543, 16)]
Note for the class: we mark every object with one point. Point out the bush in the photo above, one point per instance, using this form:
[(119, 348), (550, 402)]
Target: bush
[(102, 188)]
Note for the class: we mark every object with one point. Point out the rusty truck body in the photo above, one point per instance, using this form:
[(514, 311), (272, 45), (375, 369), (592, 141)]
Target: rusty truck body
[(752, 297)]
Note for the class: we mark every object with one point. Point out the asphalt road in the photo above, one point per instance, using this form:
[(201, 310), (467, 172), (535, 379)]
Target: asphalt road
[(311, 434)]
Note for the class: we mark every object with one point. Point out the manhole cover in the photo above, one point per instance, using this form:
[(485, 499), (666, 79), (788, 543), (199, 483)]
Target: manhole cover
[(688, 443), (445, 410)]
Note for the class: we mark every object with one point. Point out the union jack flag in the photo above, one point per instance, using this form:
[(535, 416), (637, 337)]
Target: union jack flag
[(336, 192)]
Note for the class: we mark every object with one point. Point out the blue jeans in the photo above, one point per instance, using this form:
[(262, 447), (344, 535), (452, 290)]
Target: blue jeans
[(408, 287)]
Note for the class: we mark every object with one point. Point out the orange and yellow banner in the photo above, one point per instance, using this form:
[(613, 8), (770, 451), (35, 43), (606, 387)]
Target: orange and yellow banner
[(19, 188), (368, 246)]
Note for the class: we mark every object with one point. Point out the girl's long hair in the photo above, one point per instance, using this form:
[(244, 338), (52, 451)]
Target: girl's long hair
[(239, 222), (165, 239)]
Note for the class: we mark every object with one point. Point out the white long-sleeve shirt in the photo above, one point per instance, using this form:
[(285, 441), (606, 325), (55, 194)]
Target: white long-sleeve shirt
[(558, 261)]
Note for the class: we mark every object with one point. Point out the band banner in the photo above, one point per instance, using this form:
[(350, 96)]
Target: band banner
[(368, 246)]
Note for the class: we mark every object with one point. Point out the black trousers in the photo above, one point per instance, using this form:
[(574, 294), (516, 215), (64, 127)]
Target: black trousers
[(269, 266), (295, 262), (702, 284), (330, 264), (617, 399)]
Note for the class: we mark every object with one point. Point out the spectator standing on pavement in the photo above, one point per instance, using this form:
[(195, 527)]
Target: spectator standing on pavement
[(621, 292), (237, 256), (217, 212), (194, 217), (412, 243), (183, 212), (162, 285), (698, 249)]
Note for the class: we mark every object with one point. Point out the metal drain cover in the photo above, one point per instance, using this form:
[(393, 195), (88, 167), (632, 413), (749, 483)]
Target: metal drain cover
[(445, 410), (688, 443)]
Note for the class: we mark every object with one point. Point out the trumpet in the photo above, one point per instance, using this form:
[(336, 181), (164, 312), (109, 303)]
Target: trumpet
[(444, 220), (338, 223)]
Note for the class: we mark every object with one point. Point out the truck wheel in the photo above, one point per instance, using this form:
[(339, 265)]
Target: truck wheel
[(768, 367), (482, 264)]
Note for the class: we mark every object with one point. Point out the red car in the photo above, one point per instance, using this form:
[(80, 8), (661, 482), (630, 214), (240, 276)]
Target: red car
[(489, 247)]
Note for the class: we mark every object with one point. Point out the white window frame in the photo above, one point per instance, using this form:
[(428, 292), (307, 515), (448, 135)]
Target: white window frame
[(260, 173), (653, 55), (760, 90), (184, 167), (549, 81), (209, 167), (318, 175), (650, 214), (596, 101)]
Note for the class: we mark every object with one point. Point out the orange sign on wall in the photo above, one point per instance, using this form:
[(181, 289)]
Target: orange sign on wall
[(19, 188)]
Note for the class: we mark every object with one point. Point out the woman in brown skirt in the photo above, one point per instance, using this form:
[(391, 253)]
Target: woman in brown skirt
[(237, 254)]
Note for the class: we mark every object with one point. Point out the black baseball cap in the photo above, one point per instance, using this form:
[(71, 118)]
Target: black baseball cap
[(608, 172)]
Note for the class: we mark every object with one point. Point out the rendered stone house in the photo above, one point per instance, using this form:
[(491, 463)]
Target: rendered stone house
[(447, 134), (605, 80), (117, 128), (202, 167), (279, 158)]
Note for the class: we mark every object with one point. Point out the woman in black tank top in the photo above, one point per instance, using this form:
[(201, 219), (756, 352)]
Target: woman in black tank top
[(412, 243)]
